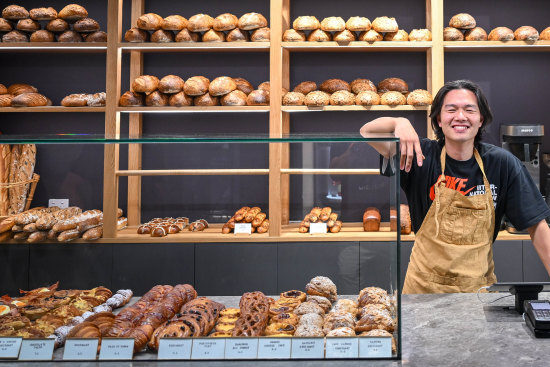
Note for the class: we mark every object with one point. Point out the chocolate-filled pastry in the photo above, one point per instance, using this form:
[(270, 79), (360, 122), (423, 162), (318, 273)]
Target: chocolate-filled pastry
[(292, 35), (69, 36), (131, 99), (501, 34), (27, 25), (145, 84), (213, 36), (237, 35), (206, 100), (333, 24), (43, 13), (306, 23), (370, 36), (225, 22), (14, 12), (319, 35), (358, 24), (86, 25), (136, 35), (149, 22), (162, 36), (332, 85), (476, 34), (42, 36), (196, 86), (174, 23), (400, 35), (72, 12), (180, 100), (5, 25), (57, 25), (243, 85), (200, 23), (251, 21), (171, 84), (260, 35), (258, 97), (186, 36), (156, 99), (98, 36), (452, 34), (234, 98), (293, 99)]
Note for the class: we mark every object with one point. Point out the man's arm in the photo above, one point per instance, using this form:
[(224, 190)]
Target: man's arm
[(540, 235), (401, 128)]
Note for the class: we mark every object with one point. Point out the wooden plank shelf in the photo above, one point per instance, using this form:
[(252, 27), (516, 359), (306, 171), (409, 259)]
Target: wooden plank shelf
[(193, 109), (354, 108), (54, 46), (495, 46), (195, 47), (194, 172), (358, 46), (52, 109)]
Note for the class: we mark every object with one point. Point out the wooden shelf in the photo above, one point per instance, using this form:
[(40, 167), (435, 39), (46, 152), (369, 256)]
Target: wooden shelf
[(496, 46), (358, 46), (195, 47), (52, 109), (193, 109), (355, 108), (54, 46)]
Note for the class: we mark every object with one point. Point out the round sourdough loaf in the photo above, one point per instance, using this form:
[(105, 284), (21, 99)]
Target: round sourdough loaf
[(393, 84), (526, 33), (156, 99), (150, 22), (43, 13), (206, 100), (69, 36), (186, 36), (236, 35), (258, 97), (260, 35), (419, 97), (342, 98), (545, 34), (293, 99), (358, 24), (344, 36), (462, 21), (145, 84), (42, 36), (27, 25), (72, 13), (400, 35), (292, 35), (475, 34), (86, 25), (57, 25), (306, 23), (393, 98), (174, 23), (501, 34), (333, 85), (136, 35), (333, 24), (367, 98), (14, 12), (319, 35), (370, 36), (180, 100), (385, 24), (317, 99), (222, 85), (196, 86), (200, 23), (251, 21), (452, 34), (225, 22), (362, 85), (243, 85), (422, 34), (234, 98), (305, 87), (98, 36), (171, 84), (213, 36)]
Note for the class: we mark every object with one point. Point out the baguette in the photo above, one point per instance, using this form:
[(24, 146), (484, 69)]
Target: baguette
[(121, 223), (5, 159), (93, 234), (68, 235), (7, 224), (17, 228), (52, 235), (30, 228), (81, 222), (32, 215), (38, 236), (5, 236), (47, 221), (21, 236)]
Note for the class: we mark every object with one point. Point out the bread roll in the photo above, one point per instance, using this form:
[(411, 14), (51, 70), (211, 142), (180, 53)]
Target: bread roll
[(234, 98), (86, 25), (196, 86), (293, 99), (30, 100), (186, 36), (3, 89), (258, 97), (342, 98), (385, 24), (5, 100), (145, 84), (419, 97), (371, 220), (150, 22), (27, 25), (305, 87), (420, 35), (200, 23), (344, 36), (393, 98), (261, 35), (205, 100), (332, 85), (221, 86), (156, 99), (225, 22), (96, 99), (237, 35), (501, 34), (292, 35), (57, 25), (180, 100), (319, 35), (333, 24), (43, 13), (74, 100), (131, 99), (452, 34), (243, 85), (72, 13), (367, 98), (20, 88), (370, 36), (98, 36), (400, 35), (475, 34), (5, 25), (136, 35), (317, 99), (358, 24), (526, 33), (545, 34), (251, 21), (14, 12), (171, 84), (69, 36), (362, 85), (393, 84), (162, 36), (265, 86), (213, 36), (174, 23), (462, 21), (306, 23), (42, 36)]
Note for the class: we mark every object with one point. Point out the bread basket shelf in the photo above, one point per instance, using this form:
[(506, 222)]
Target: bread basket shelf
[(354, 108), (194, 109), (54, 47), (497, 46), (357, 46), (196, 47), (52, 109)]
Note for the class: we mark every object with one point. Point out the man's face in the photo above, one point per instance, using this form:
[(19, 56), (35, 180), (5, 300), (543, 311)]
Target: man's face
[(460, 118)]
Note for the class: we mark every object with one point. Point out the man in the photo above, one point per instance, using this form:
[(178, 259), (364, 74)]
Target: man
[(458, 189)]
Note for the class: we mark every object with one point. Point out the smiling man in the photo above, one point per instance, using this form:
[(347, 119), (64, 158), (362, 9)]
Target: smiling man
[(458, 189)]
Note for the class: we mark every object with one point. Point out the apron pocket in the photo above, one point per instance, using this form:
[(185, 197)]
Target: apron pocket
[(465, 226)]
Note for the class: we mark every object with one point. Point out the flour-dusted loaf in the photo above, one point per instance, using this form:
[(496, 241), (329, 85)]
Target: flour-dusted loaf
[(234, 98), (385, 24), (170, 84), (306, 23), (150, 22), (370, 36), (187, 36), (225, 22), (393, 98), (422, 34), (251, 21), (344, 36), (261, 35), (333, 24), (237, 35), (452, 34), (42, 35), (86, 25), (293, 35), (358, 24), (401, 36), (162, 36), (200, 23), (174, 23), (145, 84), (367, 98), (196, 86), (362, 85), (22, 167), (526, 33), (30, 100), (475, 34), (462, 21), (419, 97), (213, 36), (501, 34)]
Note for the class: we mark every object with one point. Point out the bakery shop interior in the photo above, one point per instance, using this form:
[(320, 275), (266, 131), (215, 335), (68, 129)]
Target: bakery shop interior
[(207, 169)]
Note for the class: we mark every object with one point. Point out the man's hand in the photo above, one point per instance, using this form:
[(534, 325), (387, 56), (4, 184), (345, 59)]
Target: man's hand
[(410, 144)]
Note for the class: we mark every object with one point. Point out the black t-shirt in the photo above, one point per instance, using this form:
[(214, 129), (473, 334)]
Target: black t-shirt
[(514, 191)]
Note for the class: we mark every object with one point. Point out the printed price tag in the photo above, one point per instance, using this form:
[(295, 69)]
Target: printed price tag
[(342, 348), (243, 228), (115, 348), (36, 350), (274, 348), (80, 349), (378, 347), (317, 228), (175, 348), (208, 348), (241, 348), (308, 348), (9, 347)]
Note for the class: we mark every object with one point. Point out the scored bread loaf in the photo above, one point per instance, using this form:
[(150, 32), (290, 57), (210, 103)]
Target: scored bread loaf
[(243, 85), (333, 85), (5, 100), (200, 23), (344, 36), (174, 23), (333, 24), (5, 159), (196, 86), (393, 84), (131, 99), (22, 167), (80, 222), (400, 35), (180, 100), (14, 12), (462, 21), (358, 24), (206, 100), (319, 35), (476, 34), (149, 22), (171, 84), (213, 36), (156, 99), (385, 24), (136, 35), (69, 36), (526, 33), (234, 98), (236, 35), (43, 13), (3, 89), (367, 98), (20, 88), (258, 97), (221, 86), (293, 99), (30, 100), (362, 85), (305, 87), (225, 22), (145, 84)]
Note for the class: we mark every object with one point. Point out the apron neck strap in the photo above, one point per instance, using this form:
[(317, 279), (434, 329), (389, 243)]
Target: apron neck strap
[(479, 162)]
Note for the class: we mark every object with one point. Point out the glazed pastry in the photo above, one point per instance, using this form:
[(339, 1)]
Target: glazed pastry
[(294, 294)]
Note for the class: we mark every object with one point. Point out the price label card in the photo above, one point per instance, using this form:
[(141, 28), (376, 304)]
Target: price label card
[(274, 348), (36, 350), (115, 348), (317, 228), (308, 348), (342, 348), (80, 349), (241, 348), (9, 347), (208, 348), (374, 347), (243, 228), (175, 348)]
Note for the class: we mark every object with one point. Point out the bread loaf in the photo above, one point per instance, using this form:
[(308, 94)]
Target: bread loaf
[(420, 35), (405, 219), (370, 36), (213, 36), (145, 84), (93, 234), (43, 13), (225, 22), (5, 25), (400, 36), (371, 220), (80, 222), (419, 97), (452, 34), (200, 23), (174, 23), (42, 36), (27, 25), (136, 35), (180, 100), (30, 228), (46, 220), (501, 34), (6, 224), (292, 35), (342, 98), (196, 86), (30, 100), (462, 21), (385, 24), (5, 100), (74, 100), (20, 88), (68, 235), (131, 99), (260, 35), (306, 23), (72, 13), (258, 97), (475, 34), (234, 98), (171, 84), (393, 98), (305, 87), (150, 22), (186, 36), (86, 25), (526, 33), (317, 99), (22, 167), (293, 99), (362, 85), (358, 24), (162, 36), (265, 86), (98, 36), (69, 36), (243, 85), (333, 85), (237, 35), (344, 36), (221, 86), (545, 34), (15, 36), (156, 99), (206, 100), (251, 21), (5, 159), (57, 25), (319, 35), (393, 84), (21, 236), (333, 24), (14, 12)]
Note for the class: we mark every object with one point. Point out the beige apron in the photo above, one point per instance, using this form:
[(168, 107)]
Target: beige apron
[(453, 248)]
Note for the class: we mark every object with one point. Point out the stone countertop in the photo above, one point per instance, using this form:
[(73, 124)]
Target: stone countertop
[(437, 330)]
